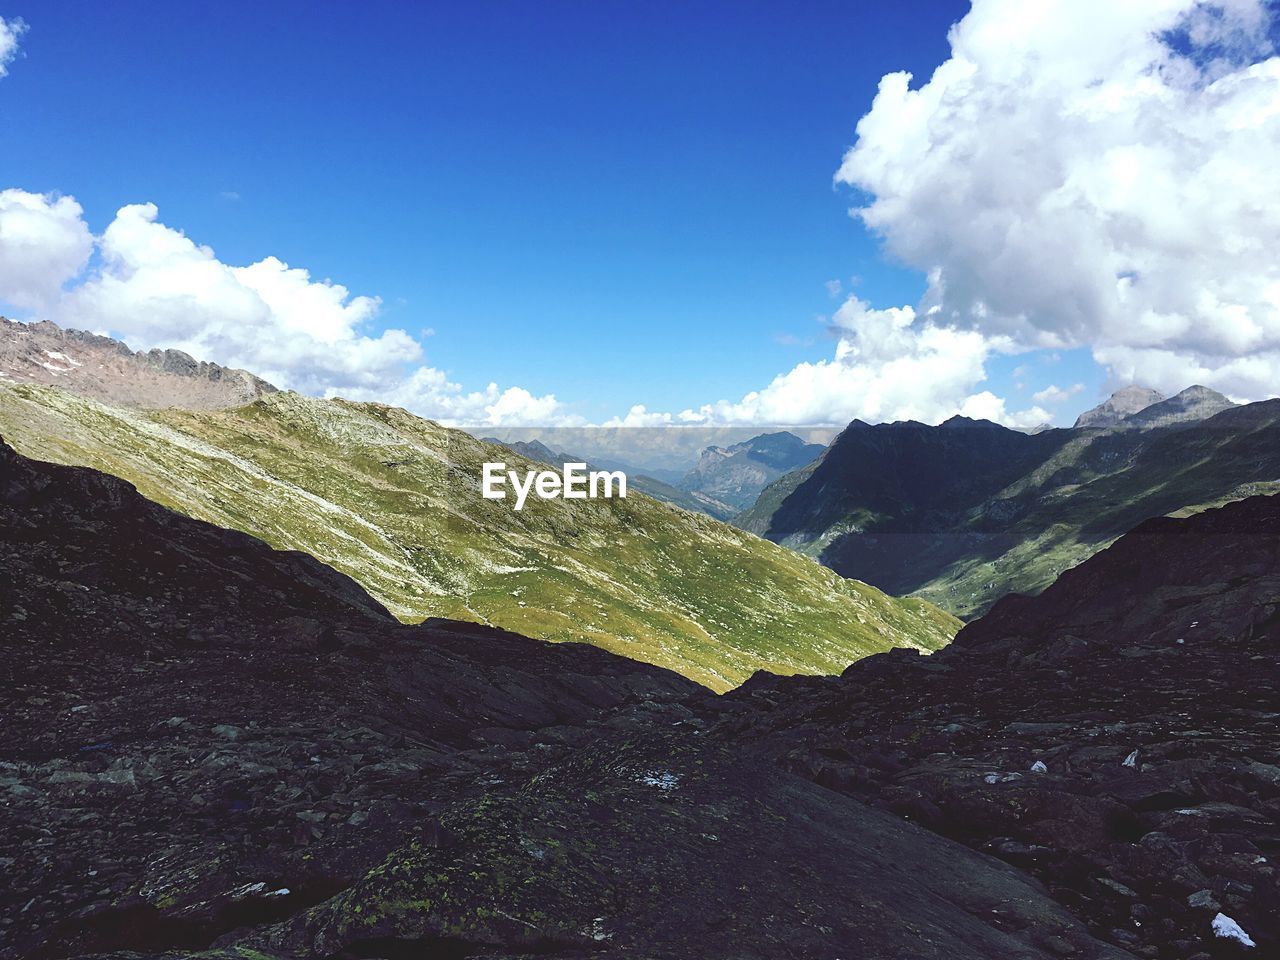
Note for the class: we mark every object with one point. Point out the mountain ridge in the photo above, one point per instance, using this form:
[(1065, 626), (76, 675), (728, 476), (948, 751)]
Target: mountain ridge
[(394, 501), (106, 370), (1123, 403), (961, 522)]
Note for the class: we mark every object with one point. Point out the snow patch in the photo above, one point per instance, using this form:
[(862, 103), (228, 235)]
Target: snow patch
[(663, 781), (1225, 927)]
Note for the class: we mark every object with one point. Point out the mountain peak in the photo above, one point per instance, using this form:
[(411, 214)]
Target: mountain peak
[(736, 474), (959, 421), (1190, 406), (1123, 403)]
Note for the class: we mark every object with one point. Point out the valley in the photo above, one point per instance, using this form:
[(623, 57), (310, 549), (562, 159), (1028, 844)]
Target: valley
[(396, 503)]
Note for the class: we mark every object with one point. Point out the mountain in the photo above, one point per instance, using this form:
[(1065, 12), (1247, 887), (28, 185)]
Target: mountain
[(1115, 736), (108, 371), (394, 502), (965, 512), (212, 749), (539, 452), (1121, 404), (1192, 405), (736, 474)]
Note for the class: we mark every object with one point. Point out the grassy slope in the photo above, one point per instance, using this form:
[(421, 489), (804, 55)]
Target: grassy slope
[(393, 501)]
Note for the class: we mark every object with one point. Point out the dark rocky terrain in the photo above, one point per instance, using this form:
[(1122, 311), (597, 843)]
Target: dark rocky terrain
[(210, 745), (1144, 681), (106, 370)]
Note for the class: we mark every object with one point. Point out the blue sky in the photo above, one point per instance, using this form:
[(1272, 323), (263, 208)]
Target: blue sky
[(618, 203)]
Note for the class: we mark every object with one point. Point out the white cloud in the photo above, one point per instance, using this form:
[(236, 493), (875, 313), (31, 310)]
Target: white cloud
[(888, 365), (10, 32), (155, 287), (43, 244), (1094, 173), (430, 392), (1053, 395)]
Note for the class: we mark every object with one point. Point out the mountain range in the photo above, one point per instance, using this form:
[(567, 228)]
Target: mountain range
[(968, 511), (394, 502), (218, 750)]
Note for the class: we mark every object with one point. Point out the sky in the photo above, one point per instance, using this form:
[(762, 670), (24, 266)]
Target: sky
[(658, 213)]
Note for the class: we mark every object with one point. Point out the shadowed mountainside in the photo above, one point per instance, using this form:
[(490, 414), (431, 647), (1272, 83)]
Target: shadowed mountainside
[(968, 511)]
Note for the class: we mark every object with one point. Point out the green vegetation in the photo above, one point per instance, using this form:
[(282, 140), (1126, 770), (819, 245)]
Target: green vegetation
[(394, 501)]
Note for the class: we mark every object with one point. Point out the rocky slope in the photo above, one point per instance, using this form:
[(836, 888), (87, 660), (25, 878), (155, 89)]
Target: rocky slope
[(212, 749), (394, 502), (1118, 736), (1192, 405), (106, 370), (966, 512)]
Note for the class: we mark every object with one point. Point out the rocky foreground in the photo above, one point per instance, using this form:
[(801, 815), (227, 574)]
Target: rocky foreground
[(209, 746), (1117, 737)]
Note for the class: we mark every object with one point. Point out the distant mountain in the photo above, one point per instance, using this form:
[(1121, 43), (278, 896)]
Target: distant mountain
[(394, 502), (1190, 406), (106, 370), (538, 451), (736, 474), (966, 512), (1121, 404)]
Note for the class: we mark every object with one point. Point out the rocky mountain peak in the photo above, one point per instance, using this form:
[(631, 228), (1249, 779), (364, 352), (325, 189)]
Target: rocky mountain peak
[(1123, 403), (1191, 405), (106, 370)]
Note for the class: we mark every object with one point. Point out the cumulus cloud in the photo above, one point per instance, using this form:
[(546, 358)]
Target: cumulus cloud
[(430, 389), (155, 287), (44, 242), (10, 32), (1092, 173), (888, 365)]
